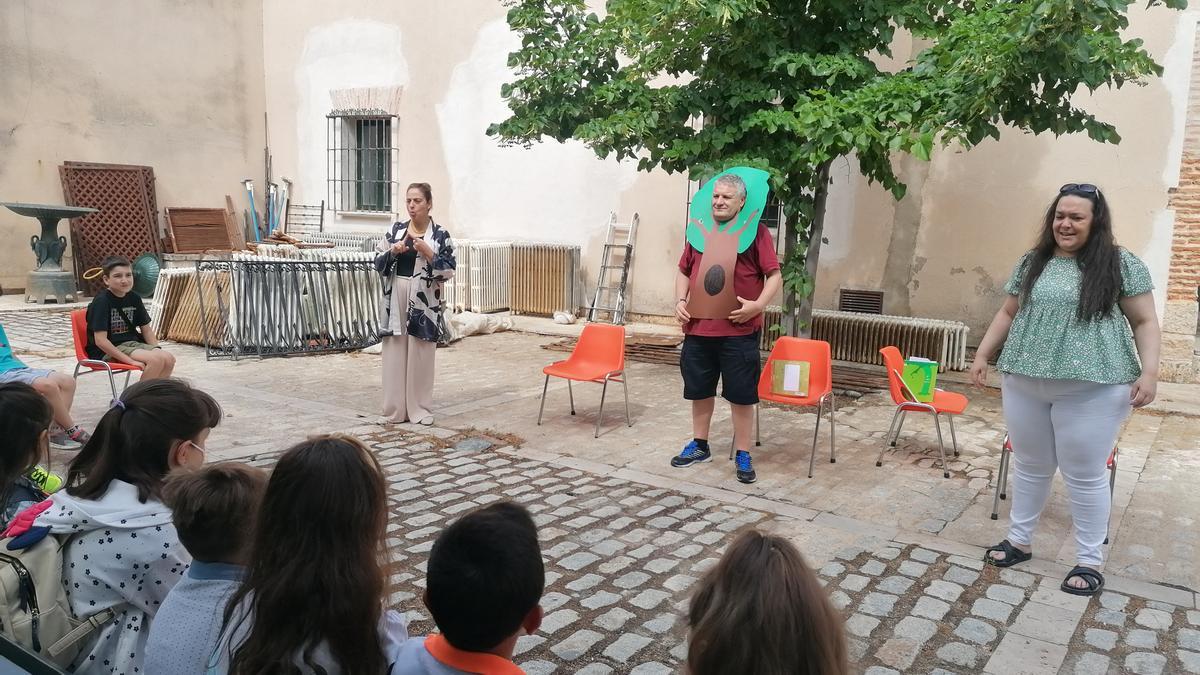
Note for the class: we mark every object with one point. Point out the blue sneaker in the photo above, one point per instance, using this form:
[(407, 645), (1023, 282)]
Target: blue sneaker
[(745, 467), (692, 454)]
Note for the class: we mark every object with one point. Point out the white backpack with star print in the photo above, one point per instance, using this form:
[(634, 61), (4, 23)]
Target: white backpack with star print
[(34, 610)]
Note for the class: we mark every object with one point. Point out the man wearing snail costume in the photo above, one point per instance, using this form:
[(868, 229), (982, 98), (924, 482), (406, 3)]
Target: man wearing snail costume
[(727, 274)]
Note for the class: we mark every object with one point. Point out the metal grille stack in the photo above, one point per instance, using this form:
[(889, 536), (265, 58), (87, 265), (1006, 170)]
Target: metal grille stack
[(345, 241), (293, 301)]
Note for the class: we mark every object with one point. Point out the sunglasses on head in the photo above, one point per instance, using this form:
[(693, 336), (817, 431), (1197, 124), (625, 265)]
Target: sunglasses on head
[(1079, 187)]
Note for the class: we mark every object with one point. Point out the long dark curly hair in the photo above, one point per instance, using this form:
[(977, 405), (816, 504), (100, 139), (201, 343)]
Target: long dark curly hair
[(316, 573), (1099, 260)]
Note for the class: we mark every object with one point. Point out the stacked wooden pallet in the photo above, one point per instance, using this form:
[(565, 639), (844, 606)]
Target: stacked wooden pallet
[(177, 312)]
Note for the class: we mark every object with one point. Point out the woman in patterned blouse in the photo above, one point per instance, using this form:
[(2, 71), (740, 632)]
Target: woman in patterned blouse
[(415, 259), (1080, 349)]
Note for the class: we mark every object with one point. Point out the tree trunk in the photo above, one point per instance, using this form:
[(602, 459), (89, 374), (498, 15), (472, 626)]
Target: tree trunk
[(788, 315), (802, 321)]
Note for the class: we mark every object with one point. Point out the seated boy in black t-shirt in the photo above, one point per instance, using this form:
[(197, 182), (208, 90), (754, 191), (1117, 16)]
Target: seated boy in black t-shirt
[(119, 327)]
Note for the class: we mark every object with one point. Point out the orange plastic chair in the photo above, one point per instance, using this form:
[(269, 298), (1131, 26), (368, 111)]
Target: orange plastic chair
[(90, 365), (599, 356), (820, 384), (944, 403)]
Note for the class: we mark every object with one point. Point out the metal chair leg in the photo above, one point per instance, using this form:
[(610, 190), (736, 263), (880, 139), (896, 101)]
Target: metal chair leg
[(126, 385), (600, 415), (1112, 479), (937, 423), (1004, 475), (953, 437), (832, 445), (112, 384), (896, 438), (625, 388), (543, 407), (571, 394), (1112, 487), (895, 416), (1001, 472), (812, 456), (757, 426)]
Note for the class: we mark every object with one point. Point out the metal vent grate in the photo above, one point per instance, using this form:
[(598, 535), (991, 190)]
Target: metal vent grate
[(864, 302)]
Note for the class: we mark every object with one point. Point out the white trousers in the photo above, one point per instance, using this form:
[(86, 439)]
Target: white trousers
[(1072, 426)]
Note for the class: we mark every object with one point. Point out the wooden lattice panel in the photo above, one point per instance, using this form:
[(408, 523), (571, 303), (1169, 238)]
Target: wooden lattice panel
[(126, 221)]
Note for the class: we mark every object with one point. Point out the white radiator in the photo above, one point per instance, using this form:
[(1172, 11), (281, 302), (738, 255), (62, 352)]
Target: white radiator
[(544, 279), (480, 282), (858, 337)]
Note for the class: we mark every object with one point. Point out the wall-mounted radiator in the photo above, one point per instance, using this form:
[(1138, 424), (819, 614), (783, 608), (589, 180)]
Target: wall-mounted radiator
[(544, 279), (858, 337)]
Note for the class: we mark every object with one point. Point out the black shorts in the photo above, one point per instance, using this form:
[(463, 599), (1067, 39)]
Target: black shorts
[(733, 359)]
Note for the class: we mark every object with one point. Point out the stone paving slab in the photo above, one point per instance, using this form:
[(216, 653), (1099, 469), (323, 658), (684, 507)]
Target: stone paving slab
[(48, 330)]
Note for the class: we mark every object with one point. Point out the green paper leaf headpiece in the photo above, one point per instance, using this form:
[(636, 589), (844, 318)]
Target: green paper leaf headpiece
[(746, 220)]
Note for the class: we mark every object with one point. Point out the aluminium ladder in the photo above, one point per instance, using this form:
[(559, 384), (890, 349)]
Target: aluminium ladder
[(618, 255)]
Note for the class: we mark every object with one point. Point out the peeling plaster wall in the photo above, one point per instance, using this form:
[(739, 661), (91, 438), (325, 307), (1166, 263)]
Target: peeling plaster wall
[(978, 211), (176, 86)]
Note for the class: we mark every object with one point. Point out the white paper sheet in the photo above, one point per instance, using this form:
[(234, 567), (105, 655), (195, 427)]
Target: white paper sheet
[(791, 377)]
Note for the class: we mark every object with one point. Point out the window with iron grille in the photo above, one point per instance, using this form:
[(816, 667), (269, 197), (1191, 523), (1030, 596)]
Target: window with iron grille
[(361, 162), (772, 214)]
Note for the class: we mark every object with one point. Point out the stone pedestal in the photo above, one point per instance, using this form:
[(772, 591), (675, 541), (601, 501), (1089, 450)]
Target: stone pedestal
[(44, 285)]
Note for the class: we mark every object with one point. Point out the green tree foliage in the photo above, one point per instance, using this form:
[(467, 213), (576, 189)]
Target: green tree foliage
[(788, 86)]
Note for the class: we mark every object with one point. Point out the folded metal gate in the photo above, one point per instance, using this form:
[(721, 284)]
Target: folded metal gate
[(279, 306)]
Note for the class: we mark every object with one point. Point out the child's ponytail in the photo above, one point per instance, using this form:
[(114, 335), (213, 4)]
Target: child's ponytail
[(133, 440)]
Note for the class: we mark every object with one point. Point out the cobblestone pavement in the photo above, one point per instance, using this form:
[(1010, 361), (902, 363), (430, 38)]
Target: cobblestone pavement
[(620, 558), (910, 609)]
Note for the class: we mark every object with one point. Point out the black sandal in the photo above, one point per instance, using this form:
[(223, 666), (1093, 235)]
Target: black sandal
[(1012, 555), (1093, 579)]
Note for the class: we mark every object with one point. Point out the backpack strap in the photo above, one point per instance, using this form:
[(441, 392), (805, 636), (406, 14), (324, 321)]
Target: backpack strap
[(81, 631)]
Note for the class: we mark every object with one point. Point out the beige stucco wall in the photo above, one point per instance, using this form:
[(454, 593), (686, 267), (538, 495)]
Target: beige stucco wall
[(950, 245), (176, 86)]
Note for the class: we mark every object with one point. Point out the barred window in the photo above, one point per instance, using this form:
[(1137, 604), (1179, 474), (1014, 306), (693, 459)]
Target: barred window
[(772, 214), (361, 162)]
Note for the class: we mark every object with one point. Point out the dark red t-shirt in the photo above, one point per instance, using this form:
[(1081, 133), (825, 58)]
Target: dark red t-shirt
[(749, 276)]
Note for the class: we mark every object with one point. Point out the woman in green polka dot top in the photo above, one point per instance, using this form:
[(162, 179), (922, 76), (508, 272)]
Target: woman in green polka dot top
[(1080, 349)]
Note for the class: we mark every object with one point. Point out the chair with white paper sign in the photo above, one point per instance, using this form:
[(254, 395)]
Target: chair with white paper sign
[(784, 380)]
